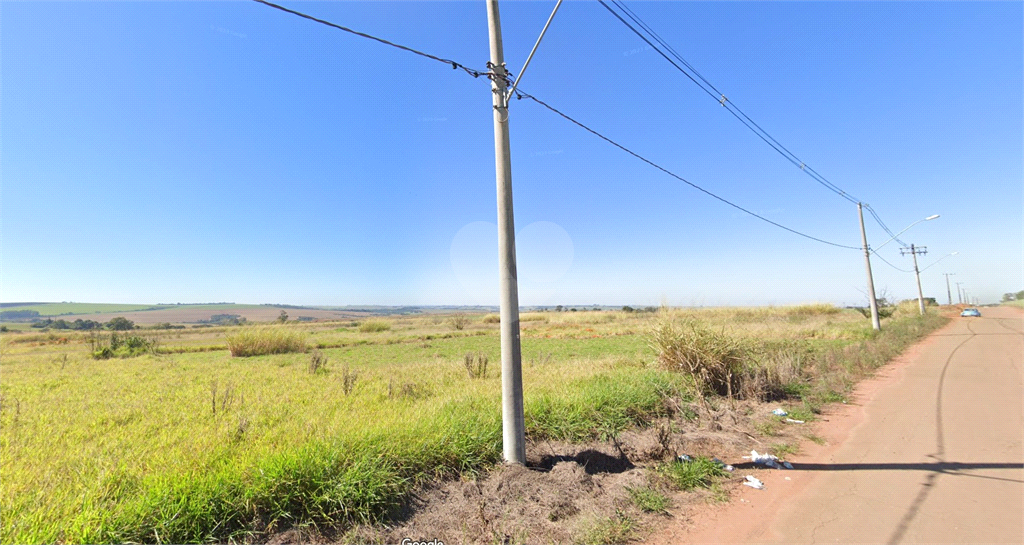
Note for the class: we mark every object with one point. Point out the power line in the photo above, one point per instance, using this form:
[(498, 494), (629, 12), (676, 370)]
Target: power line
[(720, 97), (890, 264), (473, 72), (883, 225), (523, 94)]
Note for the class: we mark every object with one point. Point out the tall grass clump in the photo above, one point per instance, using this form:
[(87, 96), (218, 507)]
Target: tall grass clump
[(714, 360), (260, 341), (374, 326)]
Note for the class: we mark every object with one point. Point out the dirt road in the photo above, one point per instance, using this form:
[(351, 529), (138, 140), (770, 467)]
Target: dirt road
[(930, 451)]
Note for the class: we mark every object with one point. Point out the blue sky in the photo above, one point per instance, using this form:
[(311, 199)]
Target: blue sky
[(194, 151)]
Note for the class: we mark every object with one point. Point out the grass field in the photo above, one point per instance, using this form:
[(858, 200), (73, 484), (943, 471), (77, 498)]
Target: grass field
[(191, 444), (65, 309)]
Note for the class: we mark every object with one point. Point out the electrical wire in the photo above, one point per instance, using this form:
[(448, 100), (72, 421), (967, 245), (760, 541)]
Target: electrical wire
[(473, 72), (720, 97), (520, 94), (889, 264), (884, 226)]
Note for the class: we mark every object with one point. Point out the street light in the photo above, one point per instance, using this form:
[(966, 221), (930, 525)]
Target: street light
[(937, 260), (876, 323), (929, 218)]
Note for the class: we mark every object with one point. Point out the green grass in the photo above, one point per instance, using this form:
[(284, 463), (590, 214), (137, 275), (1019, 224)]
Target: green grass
[(649, 500), (700, 472), (63, 309), (610, 531), (201, 446)]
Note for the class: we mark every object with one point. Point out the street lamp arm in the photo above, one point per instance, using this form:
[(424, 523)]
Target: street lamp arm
[(939, 259), (894, 237)]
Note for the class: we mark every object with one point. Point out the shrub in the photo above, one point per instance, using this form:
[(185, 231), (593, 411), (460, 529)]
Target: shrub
[(120, 323), (122, 346), (458, 320), (374, 326), (258, 341), (492, 319)]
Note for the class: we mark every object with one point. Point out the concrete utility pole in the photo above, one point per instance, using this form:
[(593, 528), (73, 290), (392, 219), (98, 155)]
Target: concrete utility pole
[(513, 424), (914, 251), (949, 294), (875, 321), (959, 293)]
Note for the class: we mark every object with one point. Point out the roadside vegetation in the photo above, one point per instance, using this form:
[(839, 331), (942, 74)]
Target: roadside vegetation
[(229, 433)]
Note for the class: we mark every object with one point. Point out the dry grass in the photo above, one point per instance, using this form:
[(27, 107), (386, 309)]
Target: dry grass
[(713, 359), (374, 325), (264, 340)]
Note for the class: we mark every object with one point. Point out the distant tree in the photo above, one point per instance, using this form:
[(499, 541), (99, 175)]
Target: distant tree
[(627, 308), (283, 317), (1020, 295), (120, 323), (84, 325), (558, 308), (60, 324)]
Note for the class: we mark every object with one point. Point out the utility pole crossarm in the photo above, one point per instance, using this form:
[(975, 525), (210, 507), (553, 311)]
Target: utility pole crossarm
[(914, 250)]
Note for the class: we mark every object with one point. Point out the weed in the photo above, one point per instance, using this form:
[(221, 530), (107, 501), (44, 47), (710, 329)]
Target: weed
[(783, 450), (816, 439), (224, 399), (767, 428), (648, 499), (243, 426), (613, 530), (540, 359), (317, 362), (348, 380), (476, 365), (700, 472)]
